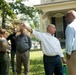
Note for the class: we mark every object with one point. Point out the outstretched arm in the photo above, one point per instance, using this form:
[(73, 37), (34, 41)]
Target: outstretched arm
[(28, 28), (37, 34)]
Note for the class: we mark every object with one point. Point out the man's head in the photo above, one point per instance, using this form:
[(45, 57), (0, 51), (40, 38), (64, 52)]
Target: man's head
[(3, 33), (15, 30), (70, 16), (51, 29), (22, 28)]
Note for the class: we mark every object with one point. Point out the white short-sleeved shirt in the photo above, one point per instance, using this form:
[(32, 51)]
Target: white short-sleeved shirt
[(71, 37)]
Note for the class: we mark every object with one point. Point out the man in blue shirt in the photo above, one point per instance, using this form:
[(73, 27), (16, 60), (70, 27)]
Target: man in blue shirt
[(71, 41), (23, 45)]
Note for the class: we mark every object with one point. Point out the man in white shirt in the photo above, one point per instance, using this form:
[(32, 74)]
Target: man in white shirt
[(51, 49), (71, 42)]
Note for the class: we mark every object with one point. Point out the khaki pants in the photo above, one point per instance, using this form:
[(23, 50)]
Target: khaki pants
[(22, 58), (71, 64)]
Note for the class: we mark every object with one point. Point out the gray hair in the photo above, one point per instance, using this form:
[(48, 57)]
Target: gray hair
[(73, 12), (50, 25)]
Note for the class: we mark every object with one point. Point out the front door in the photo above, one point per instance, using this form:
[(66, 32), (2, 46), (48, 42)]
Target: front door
[(60, 29)]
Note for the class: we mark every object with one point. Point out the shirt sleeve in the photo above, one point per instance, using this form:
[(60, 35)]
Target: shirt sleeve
[(69, 39), (37, 35), (30, 44)]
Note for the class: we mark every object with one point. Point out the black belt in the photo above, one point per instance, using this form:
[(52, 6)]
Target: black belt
[(51, 56), (22, 51), (3, 52), (73, 51)]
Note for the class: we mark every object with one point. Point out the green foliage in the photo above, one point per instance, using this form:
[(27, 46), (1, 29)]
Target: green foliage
[(20, 8), (6, 10), (10, 9)]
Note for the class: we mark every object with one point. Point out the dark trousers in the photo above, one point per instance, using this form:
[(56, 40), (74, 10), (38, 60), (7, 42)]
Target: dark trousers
[(5, 65), (52, 65), (13, 53)]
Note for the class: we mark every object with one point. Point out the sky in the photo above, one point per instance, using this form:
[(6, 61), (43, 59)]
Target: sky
[(28, 2), (32, 2)]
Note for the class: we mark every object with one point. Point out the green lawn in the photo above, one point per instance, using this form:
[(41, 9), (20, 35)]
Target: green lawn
[(36, 63)]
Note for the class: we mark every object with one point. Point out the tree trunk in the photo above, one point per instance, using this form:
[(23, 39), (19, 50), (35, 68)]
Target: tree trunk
[(3, 20)]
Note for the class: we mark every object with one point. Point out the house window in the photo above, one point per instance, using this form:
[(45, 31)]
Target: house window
[(59, 27), (59, 24)]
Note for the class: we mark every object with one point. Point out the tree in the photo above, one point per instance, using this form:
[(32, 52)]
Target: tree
[(29, 12), (17, 7), (20, 8), (6, 10)]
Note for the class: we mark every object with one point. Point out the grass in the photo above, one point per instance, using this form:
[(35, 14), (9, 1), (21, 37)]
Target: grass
[(36, 63)]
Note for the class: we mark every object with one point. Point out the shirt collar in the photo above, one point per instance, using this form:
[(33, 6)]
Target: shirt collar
[(49, 34)]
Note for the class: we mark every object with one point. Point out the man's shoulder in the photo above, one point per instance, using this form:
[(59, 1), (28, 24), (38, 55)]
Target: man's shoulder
[(69, 26), (72, 24), (11, 35), (25, 35), (18, 35)]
